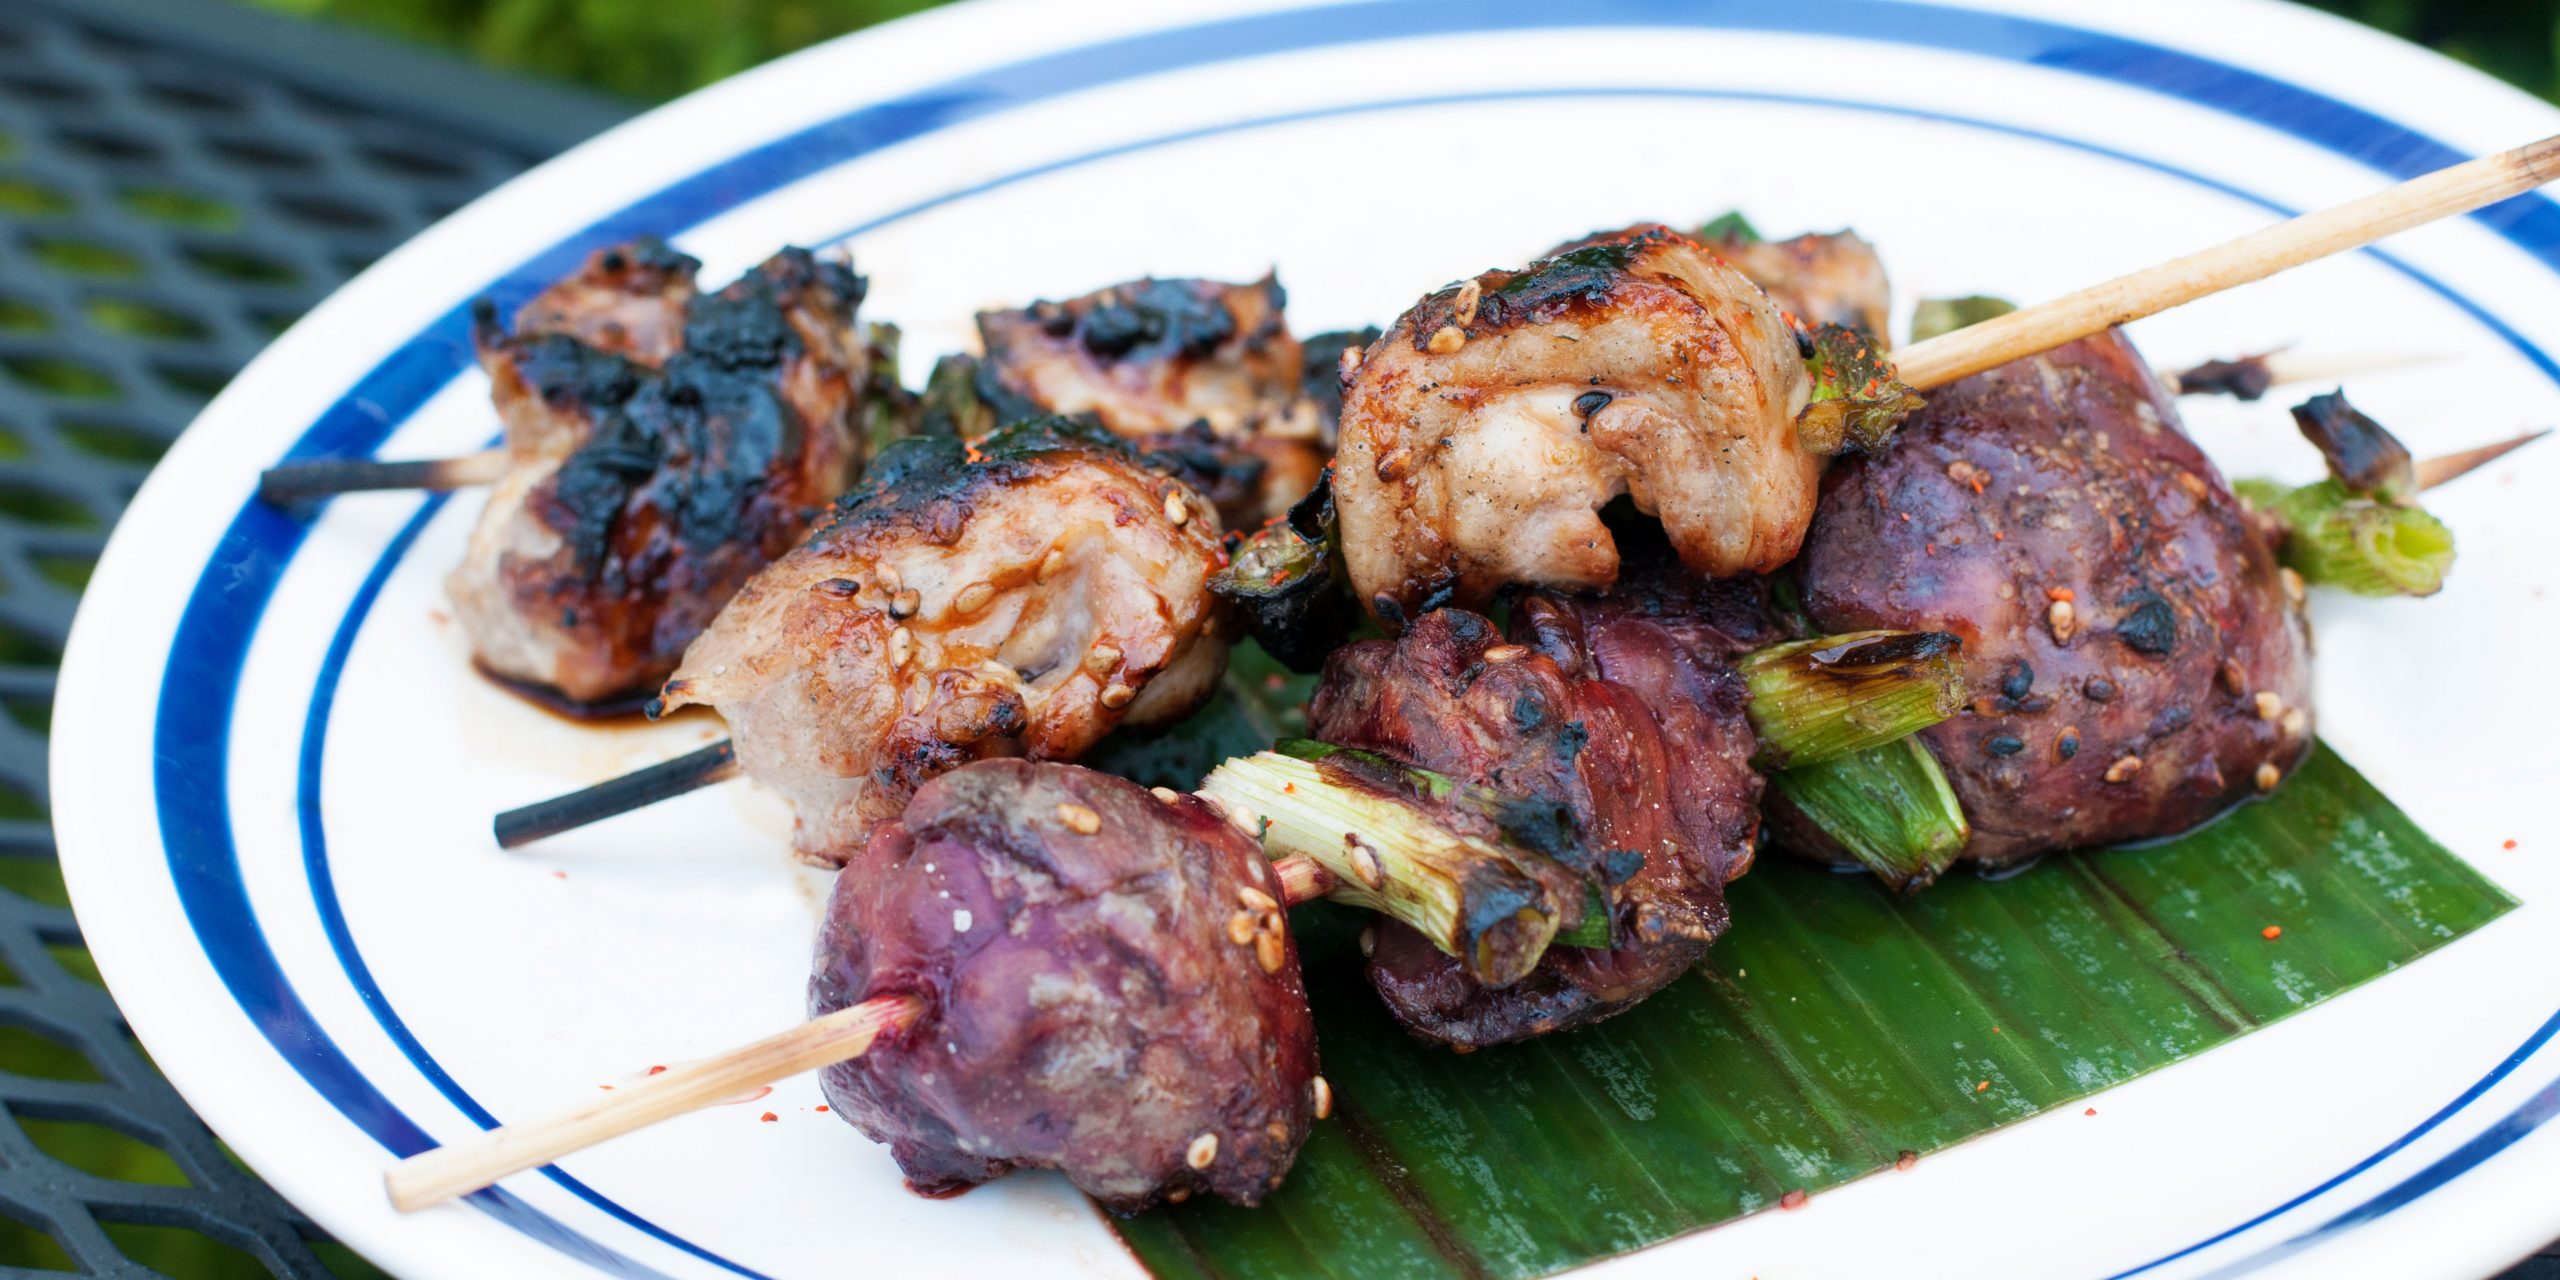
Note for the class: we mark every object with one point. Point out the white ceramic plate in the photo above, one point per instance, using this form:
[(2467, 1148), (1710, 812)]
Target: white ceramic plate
[(273, 773)]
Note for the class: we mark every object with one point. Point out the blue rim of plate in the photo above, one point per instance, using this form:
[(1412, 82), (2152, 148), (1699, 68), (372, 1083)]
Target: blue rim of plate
[(200, 684)]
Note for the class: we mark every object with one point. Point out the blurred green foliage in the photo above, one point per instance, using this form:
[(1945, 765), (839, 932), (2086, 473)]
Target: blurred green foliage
[(655, 49)]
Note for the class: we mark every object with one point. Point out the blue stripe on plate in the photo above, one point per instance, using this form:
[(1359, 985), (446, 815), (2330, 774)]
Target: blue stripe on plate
[(200, 684)]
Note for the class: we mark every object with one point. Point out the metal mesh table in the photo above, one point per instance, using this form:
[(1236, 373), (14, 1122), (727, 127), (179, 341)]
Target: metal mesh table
[(179, 179)]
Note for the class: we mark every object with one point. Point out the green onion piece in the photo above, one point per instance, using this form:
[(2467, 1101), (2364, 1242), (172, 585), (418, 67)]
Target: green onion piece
[(1936, 316), (2370, 546), (1889, 807), (1817, 700), (1730, 227), (1482, 903), (1289, 585), (1857, 401), (950, 405), (889, 410)]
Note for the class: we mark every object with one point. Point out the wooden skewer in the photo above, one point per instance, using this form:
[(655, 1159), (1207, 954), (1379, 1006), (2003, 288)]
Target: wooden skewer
[(303, 481), (719, 762), (433, 1177), (2447, 467), (2458, 189)]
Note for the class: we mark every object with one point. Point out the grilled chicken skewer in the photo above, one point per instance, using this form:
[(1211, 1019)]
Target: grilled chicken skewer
[(1037, 965), (1484, 431), (662, 445)]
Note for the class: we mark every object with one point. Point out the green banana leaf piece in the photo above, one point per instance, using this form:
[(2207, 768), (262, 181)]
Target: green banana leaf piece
[(1833, 1030)]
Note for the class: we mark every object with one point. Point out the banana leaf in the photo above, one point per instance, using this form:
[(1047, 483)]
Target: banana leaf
[(1833, 1030)]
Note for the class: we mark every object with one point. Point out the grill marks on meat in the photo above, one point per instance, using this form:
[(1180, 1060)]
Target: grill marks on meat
[(1200, 371), (663, 446), (2134, 655), (1634, 726), (1020, 596), (1085, 1008), (1482, 435)]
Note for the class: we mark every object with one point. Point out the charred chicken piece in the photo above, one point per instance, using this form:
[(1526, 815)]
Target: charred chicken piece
[(1833, 278), (1087, 1008), (662, 447), (1022, 595), (1198, 370), (1634, 726), (1482, 435), (2137, 659)]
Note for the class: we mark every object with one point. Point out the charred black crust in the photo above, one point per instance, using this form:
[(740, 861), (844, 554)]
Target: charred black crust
[(1143, 321), (1303, 616), (931, 481), (2363, 456), (1321, 379), (1585, 277)]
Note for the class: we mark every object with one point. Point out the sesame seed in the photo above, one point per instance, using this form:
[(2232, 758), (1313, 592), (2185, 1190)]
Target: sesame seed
[(1118, 696), (1350, 362), (1078, 819), (1276, 1131), (1368, 939), (1469, 294), (1364, 860), (1176, 511), (1793, 1200), (1101, 658), (973, 598), (1203, 1152), (1177, 1195), (2294, 589), (1506, 653), (1324, 1098), (961, 920), (1240, 928), (1256, 900), (903, 605), (2270, 705), (901, 647), (1166, 794), (2295, 721), (2124, 768), (1902, 1163), (1051, 563), (2234, 680), (2062, 620), (1447, 339)]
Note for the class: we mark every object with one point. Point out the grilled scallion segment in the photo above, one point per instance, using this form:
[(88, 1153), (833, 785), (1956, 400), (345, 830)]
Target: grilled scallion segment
[(1392, 836), (1857, 400), (1815, 700), (2361, 529), (1288, 582), (1889, 807)]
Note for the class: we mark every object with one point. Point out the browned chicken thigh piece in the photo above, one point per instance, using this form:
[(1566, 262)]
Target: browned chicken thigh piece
[(1824, 278), (1485, 431), (2138, 660), (1621, 711), (662, 447), (1203, 371), (1085, 1008), (1020, 595)]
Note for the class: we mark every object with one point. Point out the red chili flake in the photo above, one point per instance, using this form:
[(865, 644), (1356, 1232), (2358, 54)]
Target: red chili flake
[(2090, 1112), (1930, 548), (1978, 482), (1288, 788), (1984, 1087), (1997, 536), (1995, 1031), (768, 1117), (1902, 1163), (1906, 516), (2508, 845), (657, 1070), (2065, 594), (2271, 932), (1793, 1200), (822, 1106), (563, 875), (1282, 576), (1275, 682)]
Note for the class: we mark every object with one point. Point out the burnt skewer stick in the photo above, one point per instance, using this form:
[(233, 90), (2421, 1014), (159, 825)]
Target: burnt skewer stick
[(691, 771), (432, 1177), (303, 481), (2456, 189)]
